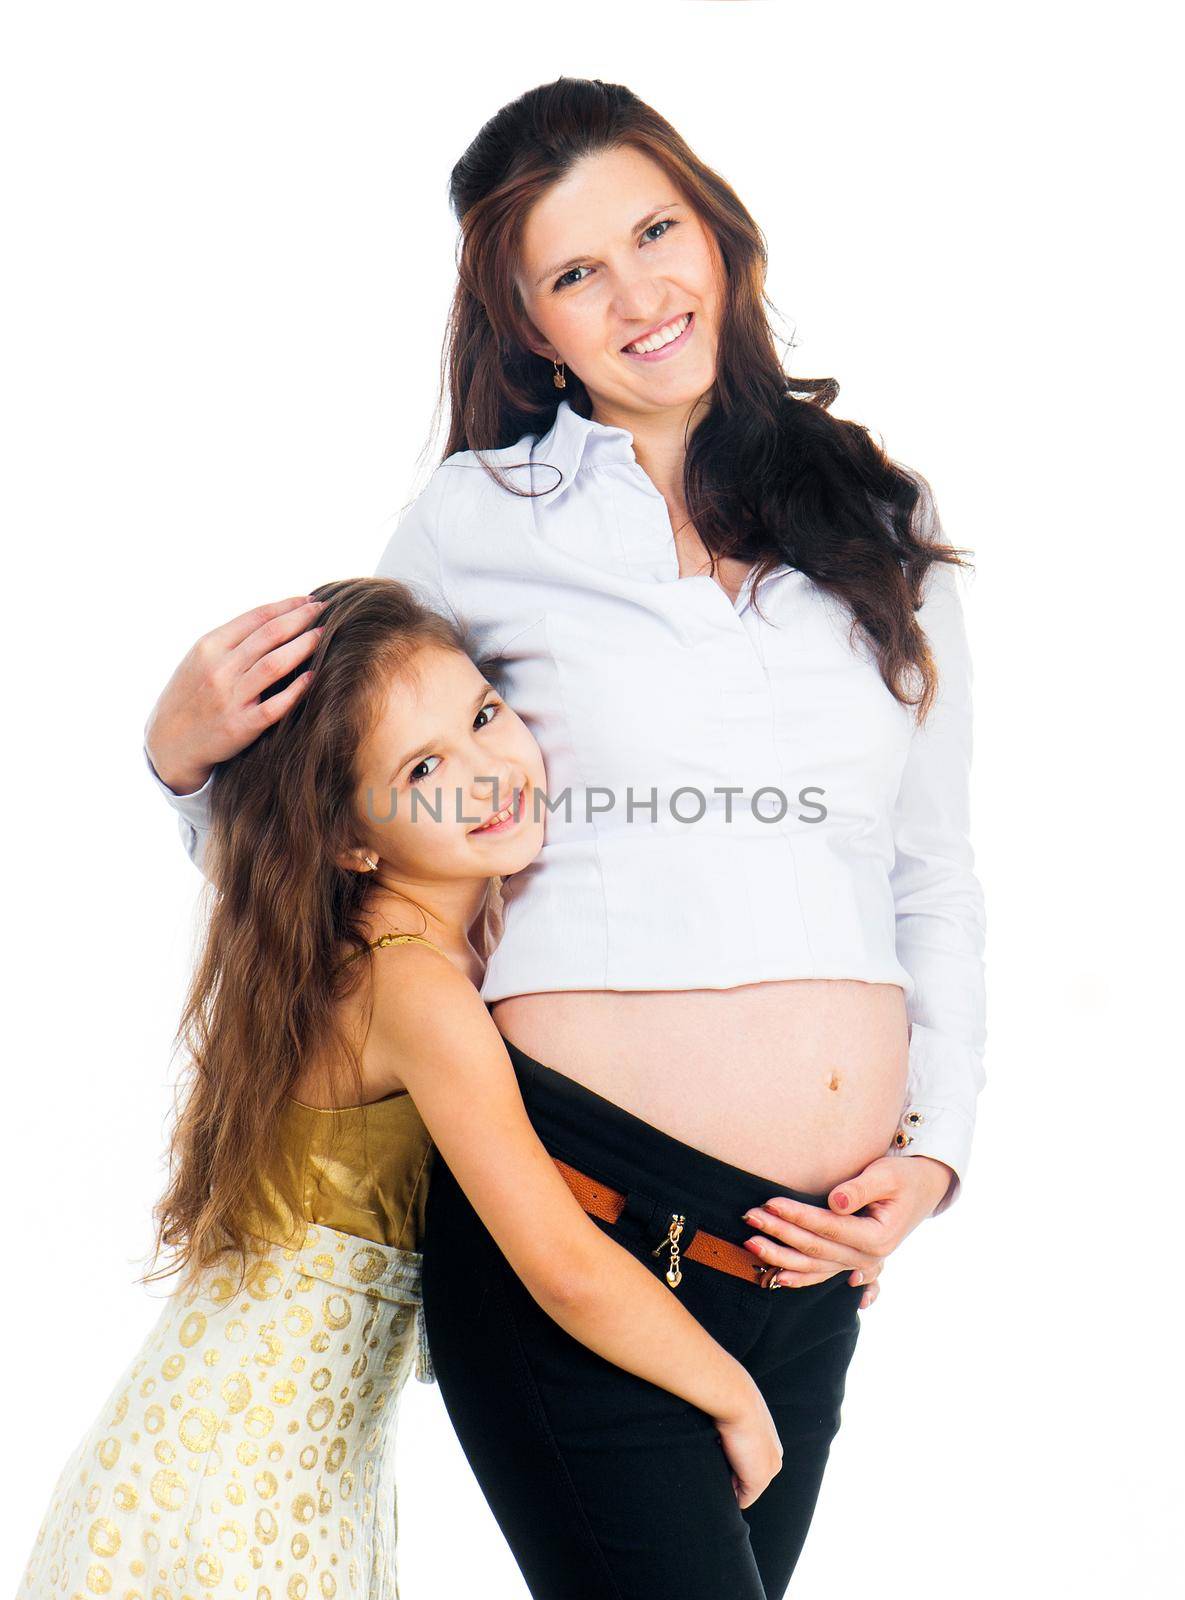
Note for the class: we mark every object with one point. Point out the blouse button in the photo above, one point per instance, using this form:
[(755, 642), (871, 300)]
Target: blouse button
[(901, 1139), (914, 1118)]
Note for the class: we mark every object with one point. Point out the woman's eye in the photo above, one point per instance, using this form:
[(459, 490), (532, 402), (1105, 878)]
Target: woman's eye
[(492, 708), (567, 278), (562, 281)]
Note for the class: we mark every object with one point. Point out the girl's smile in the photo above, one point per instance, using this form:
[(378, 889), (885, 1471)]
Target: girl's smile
[(505, 820)]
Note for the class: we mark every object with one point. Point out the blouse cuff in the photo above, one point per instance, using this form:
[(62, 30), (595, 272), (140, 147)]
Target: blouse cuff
[(193, 811), (940, 1132), (938, 1118), (198, 811)]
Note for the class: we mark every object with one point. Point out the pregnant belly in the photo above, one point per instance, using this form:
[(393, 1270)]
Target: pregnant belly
[(800, 1081)]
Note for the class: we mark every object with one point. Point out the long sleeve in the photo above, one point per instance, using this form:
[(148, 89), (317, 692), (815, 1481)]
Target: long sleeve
[(940, 924), (193, 813)]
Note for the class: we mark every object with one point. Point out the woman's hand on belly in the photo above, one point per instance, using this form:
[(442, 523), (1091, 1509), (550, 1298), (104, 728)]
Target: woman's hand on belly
[(892, 1195)]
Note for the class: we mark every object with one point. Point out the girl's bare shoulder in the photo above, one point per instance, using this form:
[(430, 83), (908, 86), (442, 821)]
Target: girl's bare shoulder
[(408, 976)]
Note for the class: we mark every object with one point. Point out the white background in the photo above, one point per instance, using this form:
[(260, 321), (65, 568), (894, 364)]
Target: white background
[(228, 261)]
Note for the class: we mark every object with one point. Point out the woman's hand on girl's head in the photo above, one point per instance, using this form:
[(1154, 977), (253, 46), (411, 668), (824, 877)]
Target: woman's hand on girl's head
[(893, 1195), (210, 708)]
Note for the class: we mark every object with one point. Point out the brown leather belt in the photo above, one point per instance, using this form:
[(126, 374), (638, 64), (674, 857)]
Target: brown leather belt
[(608, 1204)]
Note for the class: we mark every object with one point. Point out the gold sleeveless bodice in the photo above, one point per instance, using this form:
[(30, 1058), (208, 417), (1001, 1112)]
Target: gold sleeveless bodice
[(361, 1169)]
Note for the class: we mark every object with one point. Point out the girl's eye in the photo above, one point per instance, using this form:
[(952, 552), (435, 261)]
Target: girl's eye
[(667, 222), (411, 777), (492, 709)]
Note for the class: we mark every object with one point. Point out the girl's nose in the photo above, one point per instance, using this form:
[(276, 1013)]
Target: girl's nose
[(497, 787)]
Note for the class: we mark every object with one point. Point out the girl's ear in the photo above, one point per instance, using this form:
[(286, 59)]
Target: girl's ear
[(359, 859)]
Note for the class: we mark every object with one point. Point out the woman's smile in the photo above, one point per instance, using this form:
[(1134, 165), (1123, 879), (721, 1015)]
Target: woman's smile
[(618, 271), (663, 341)]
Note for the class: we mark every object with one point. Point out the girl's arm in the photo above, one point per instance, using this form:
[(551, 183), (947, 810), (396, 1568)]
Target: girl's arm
[(430, 1023)]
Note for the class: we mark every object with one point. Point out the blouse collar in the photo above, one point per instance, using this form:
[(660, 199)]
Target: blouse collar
[(573, 442)]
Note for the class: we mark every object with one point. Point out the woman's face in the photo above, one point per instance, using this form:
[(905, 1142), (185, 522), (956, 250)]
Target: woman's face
[(609, 255), (446, 753)]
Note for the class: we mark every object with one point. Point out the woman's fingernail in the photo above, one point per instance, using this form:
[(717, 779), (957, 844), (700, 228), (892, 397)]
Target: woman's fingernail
[(841, 1201), (757, 1216), (857, 1277)]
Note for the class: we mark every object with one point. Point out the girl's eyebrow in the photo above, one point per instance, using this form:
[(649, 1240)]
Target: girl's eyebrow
[(487, 689), (553, 272)]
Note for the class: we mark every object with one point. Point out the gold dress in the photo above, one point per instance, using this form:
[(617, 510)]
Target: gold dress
[(248, 1449)]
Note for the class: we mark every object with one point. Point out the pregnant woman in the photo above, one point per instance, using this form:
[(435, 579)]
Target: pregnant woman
[(743, 977)]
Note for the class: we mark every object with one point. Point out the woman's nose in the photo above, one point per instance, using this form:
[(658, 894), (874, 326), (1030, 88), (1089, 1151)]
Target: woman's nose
[(639, 295)]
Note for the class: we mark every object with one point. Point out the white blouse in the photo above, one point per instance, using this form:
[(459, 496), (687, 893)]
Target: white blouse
[(731, 798)]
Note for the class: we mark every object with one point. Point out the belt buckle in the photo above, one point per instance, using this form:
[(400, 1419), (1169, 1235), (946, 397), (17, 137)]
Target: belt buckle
[(677, 1227), (767, 1278)]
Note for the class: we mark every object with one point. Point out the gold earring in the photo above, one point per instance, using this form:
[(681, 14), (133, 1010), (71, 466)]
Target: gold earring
[(558, 377)]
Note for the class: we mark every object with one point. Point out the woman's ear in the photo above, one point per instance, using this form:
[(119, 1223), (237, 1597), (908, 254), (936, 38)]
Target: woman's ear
[(537, 344)]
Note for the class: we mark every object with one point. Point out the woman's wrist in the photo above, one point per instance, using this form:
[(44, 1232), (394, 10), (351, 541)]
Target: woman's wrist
[(941, 1174), (180, 781)]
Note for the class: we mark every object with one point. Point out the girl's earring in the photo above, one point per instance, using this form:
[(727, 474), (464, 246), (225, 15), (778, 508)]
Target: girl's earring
[(371, 862), (558, 377)]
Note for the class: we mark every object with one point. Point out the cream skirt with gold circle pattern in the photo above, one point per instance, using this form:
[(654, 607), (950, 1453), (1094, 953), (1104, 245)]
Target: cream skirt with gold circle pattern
[(249, 1447)]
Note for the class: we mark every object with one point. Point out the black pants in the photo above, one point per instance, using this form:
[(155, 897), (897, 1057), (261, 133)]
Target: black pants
[(608, 1487)]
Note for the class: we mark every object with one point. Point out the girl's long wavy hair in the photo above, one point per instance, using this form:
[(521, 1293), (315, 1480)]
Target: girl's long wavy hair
[(266, 996), (770, 475)]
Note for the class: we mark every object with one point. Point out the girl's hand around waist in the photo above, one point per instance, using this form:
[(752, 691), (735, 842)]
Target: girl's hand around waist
[(751, 1445), (893, 1195), (210, 708)]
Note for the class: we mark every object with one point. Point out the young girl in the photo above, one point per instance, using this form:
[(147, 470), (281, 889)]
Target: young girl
[(248, 1447)]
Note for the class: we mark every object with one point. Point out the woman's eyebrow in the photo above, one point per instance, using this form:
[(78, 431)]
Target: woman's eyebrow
[(553, 272)]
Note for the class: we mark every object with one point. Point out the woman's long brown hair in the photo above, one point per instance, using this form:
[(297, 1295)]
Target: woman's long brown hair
[(770, 475), (266, 996)]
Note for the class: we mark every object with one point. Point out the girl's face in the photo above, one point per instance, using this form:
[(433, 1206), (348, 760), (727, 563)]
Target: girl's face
[(612, 255), (447, 753)]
